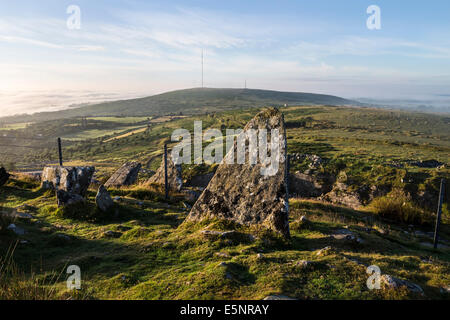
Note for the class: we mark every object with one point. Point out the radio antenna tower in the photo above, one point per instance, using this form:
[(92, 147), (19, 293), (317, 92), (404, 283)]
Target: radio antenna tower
[(202, 68)]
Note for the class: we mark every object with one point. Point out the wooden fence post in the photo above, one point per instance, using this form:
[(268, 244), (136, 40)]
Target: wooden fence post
[(439, 212), (60, 152), (166, 182)]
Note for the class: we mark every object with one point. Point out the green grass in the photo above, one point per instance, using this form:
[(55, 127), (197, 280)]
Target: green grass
[(158, 257)]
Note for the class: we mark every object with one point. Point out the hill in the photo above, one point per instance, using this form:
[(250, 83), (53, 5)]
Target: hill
[(188, 101)]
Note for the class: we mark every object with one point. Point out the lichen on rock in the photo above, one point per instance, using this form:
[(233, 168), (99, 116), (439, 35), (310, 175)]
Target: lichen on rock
[(240, 192)]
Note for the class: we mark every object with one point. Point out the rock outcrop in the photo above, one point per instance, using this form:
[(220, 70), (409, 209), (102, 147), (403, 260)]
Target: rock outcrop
[(75, 180), (200, 181), (240, 192), (173, 175), (103, 199), (4, 176), (126, 175)]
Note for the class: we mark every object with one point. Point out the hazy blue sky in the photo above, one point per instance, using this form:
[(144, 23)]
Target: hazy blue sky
[(146, 47)]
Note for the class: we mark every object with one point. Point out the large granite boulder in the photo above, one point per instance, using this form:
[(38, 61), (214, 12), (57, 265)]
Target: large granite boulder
[(103, 199), (240, 192), (126, 175), (4, 176), (74, 180), (64, 198), (174, 177)]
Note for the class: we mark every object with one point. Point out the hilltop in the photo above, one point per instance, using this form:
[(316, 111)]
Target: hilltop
[(188, 101)]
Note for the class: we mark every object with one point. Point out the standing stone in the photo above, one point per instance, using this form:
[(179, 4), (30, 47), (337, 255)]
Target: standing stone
[(103, 199), (4, 176), (74, 180), (125, 176), (173, 172), (240, 192)]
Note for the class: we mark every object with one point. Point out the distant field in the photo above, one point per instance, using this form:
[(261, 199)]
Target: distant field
[(14, 126), (96, 133), (126, 120)]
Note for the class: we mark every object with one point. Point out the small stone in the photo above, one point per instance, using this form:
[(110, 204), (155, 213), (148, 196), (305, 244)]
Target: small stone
[(103, 199), (396, 283), (112, 234), (325, 251), (260, 256), (303, 264), (222, 254), (117, 198)]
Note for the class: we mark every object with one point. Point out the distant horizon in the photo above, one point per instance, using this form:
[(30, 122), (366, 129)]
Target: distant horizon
[(52, 101)]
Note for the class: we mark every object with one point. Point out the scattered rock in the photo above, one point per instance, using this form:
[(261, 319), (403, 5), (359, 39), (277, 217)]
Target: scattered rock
[(64, 198), (112, 234), (309, 185), (74, 180), (222, 254), (340, 194), (425, 164), (445, 289), (126, 175), (260, 256), (278, 297), (173, 173), (241, 193), (325, 251), (17, 230), (117, 199), (103, 199), (4, 176), (303, 264), (395, 283), (347, 235)]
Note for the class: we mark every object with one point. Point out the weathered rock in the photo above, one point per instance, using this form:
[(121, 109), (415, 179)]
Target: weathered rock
[(103, 199), (309, 186), (112, 234), (341, 195), (174, 177), (303, 264), (17, 230), (200, 181), (346, 235), (325, 251), (126, 175), (240, 192), (426, 163), (74, 180), (4, 176), (64, 198), (395, 283)]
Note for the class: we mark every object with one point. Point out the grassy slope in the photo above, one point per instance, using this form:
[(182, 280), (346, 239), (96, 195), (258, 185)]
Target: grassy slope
[(189, 101), (156, 258)]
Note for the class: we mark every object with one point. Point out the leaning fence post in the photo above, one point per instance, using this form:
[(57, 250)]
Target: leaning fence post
[(60, 152), (166, 182), (439, 212)]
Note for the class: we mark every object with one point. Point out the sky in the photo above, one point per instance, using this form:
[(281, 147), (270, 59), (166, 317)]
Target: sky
[(127, 49)]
